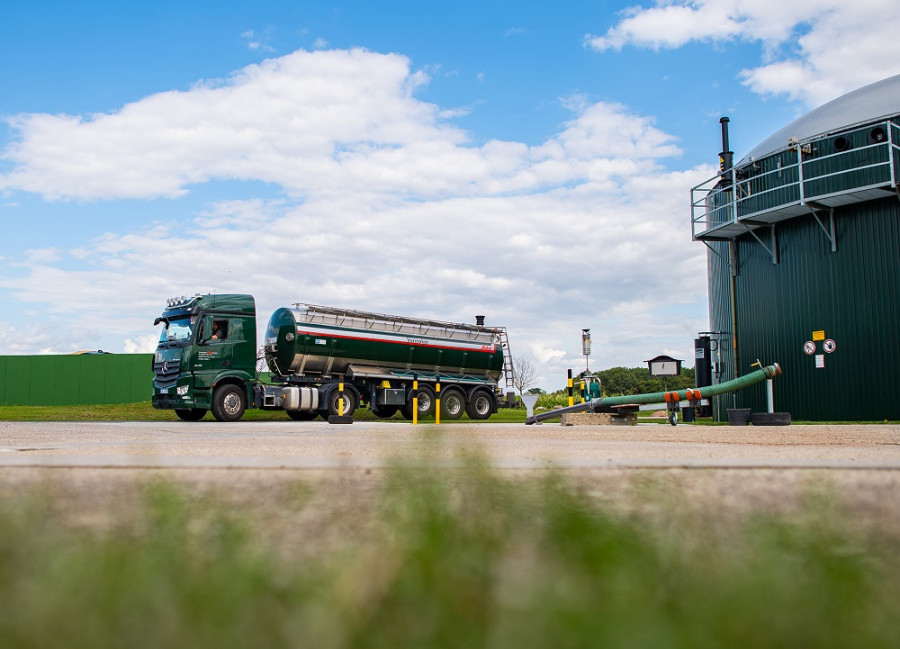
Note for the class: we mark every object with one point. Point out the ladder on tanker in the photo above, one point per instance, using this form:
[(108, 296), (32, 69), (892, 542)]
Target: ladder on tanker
[(508, 370)]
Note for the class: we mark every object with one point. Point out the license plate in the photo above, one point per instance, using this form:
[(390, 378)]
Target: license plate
[(164, 391)]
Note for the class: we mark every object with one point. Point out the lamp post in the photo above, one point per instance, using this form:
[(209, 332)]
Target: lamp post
[(586, 348)]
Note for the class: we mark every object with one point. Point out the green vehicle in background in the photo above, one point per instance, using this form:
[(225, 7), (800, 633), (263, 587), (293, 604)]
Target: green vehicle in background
[(321, 359)]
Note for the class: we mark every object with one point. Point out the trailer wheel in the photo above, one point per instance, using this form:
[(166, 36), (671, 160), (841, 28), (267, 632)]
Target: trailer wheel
[(425, 399), (301, 415), (453, 403), (384, 412), (480, 405), (229, 403), (334, 405), (190, 414)]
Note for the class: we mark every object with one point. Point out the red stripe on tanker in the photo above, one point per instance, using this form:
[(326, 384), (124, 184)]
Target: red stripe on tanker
[(437, 343)]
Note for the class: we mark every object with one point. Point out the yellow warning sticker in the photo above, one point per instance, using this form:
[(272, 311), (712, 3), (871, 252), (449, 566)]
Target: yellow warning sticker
[(819, 335)]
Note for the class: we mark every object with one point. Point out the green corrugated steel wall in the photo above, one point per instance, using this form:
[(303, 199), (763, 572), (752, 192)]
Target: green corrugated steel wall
[(75, 379), (853, 295), (720, 320)]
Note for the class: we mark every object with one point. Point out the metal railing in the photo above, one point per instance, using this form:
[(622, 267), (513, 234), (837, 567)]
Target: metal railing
[(798, 180)]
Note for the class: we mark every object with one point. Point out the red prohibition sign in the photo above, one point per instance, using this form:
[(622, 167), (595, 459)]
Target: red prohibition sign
[(809, 347), (829, 346)]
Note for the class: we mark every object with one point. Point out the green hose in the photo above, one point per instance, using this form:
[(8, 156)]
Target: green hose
[(689, 394)]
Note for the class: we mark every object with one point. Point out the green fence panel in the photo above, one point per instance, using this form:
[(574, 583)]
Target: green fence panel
[(48, 380)]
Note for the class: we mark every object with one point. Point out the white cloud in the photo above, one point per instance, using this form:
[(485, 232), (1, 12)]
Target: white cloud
[(299, 120), (385, 207), (45, 336), (42, 255), (313, 123), (143, 345), (813, 50), (255, 42)]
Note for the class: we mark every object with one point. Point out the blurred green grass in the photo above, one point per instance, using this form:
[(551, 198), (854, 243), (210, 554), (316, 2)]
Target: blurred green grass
[(450, 558)]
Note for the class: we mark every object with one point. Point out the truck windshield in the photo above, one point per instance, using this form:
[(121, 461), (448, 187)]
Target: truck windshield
[(177, 331)]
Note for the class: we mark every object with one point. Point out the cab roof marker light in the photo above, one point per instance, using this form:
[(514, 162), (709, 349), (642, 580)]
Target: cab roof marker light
[(181, 301)]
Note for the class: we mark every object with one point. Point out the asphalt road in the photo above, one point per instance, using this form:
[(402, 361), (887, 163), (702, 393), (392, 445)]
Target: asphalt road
[(319, 445)]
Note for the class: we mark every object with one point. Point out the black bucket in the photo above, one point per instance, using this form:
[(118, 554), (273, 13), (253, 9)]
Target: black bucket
[(739, 417)]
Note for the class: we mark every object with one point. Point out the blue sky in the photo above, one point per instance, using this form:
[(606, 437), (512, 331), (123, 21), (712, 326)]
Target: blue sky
[(527, 160)]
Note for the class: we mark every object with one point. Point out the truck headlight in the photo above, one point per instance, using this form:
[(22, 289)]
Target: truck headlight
[(182, 390)]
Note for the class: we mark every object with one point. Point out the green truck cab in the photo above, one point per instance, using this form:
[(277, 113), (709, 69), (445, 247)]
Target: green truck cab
[(206, 356)]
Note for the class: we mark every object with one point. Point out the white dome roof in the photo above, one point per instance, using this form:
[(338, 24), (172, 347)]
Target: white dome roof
[(878, 101)]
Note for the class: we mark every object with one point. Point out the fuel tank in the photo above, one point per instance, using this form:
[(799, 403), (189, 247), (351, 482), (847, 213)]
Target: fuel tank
[(316, 340)]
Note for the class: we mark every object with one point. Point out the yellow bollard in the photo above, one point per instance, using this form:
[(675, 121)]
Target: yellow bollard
[(343, 414), (437, 402), (415, 396), (571, 398)]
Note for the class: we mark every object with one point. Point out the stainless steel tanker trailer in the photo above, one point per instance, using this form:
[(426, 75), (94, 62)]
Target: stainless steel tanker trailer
[(323, 361)]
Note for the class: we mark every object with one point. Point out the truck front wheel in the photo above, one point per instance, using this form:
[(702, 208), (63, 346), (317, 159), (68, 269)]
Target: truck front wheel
[(228, 403)]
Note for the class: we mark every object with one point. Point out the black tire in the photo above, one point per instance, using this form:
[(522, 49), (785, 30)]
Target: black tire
[(190, 414), (229, 403), (425, 399), (350, 403), (301, 415), (770, 419), (384, 412), (480, 405), (673, 417), (453, 404)]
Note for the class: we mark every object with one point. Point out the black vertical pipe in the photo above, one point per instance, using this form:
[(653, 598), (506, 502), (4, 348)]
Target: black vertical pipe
[(726, 157)]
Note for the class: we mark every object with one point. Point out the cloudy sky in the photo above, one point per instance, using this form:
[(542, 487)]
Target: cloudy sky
[(527, 160)]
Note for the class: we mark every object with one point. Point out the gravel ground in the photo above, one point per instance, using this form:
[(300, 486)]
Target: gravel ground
[(95, 473)]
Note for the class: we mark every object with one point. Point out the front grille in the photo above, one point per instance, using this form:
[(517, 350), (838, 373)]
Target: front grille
[(166, 373)]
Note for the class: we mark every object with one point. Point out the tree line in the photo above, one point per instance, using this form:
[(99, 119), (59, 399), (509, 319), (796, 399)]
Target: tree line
[(617, 381)]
